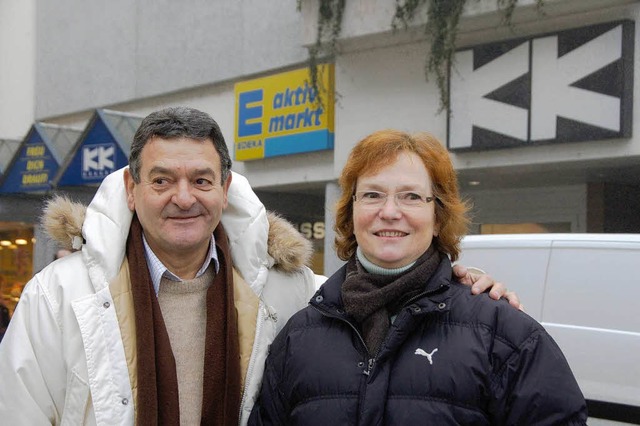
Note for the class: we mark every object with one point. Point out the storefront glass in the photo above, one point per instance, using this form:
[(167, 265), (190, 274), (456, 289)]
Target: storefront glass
[(524, 228), (305, 210), (16, 260), (314, 231)]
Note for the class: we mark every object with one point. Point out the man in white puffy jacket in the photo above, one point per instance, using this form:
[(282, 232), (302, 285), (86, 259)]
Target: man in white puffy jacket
[(72, 355), (165, 312)]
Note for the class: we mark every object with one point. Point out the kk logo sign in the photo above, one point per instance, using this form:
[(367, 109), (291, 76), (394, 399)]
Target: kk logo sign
[(575, 85), (97, 160)]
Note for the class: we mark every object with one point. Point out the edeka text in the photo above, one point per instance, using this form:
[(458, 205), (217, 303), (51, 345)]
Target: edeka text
[(256, 143)]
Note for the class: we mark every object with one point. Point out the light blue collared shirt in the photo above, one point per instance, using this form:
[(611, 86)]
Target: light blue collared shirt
[(158, 270)]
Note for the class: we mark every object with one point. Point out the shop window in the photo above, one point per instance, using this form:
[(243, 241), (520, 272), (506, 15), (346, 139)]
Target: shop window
[(305, 210), (16, 261), (525, 228), (314, 231)]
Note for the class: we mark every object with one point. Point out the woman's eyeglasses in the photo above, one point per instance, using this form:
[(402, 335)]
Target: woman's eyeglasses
[(403, 199)]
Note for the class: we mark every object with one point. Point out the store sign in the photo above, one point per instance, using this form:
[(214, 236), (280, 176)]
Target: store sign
[(98, 160), (575, 85), (97, 155), (33, 167), (282, 114)]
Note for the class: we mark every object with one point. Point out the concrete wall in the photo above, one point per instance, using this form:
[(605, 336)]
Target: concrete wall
[(139, 56), (112, 51), (17, 67)]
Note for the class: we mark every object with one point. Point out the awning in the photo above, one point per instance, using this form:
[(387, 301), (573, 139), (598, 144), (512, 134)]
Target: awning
[(102, 148), (38, 158)]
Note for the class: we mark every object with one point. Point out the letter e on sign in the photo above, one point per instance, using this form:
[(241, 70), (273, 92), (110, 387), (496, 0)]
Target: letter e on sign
[(248, 116)]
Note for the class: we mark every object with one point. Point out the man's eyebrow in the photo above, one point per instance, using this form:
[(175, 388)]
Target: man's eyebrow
[(204, 171), (167, 171), (159, 170)]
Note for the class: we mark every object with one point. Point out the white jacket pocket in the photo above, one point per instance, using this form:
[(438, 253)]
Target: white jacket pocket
[(76, 401)]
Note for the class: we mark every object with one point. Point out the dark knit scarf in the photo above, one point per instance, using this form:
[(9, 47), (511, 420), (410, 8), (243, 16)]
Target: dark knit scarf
[(157, 380), (372, 298)]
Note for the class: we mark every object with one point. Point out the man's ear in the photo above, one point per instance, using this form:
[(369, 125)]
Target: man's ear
[(129, 185), (225, 190)]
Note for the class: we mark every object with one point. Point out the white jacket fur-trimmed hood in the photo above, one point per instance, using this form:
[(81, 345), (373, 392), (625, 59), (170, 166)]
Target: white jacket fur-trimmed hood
[(69, 353), (258, 240)]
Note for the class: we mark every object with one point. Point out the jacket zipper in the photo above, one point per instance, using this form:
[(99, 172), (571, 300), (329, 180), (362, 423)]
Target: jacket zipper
[(364, 345), (369, 366), (265, 315), (371, 361)]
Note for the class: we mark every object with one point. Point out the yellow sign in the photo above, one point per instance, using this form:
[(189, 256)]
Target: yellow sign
[(281, 115)]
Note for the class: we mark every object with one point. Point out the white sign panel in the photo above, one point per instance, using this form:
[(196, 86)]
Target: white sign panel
[(97, 160), (575, 85)]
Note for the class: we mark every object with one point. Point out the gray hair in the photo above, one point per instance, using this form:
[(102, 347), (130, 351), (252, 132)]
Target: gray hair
[(174, 123)]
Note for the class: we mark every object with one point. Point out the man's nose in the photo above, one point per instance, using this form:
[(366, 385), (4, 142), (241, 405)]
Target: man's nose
[(183, 196)]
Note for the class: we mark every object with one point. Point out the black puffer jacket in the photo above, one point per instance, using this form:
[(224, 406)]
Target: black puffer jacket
[(450, 358)]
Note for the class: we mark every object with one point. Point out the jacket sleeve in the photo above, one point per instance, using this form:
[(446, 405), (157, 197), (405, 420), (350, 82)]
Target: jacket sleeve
[(271, 408), (536, 386), (31, 366)]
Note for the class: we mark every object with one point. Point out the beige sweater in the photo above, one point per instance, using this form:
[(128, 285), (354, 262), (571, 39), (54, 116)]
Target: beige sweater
[(184, 309)]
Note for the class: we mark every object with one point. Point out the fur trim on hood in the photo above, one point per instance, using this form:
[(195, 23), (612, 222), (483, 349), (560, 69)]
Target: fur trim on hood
[(289, 249), (62, 220)]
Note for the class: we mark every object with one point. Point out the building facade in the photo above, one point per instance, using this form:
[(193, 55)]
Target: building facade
[(542, 128)]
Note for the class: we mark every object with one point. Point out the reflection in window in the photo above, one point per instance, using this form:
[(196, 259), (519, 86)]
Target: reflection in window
[(16, 261), (525, 228)]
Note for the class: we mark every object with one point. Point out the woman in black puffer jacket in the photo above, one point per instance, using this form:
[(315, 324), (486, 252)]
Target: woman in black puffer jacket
[(391, 339)]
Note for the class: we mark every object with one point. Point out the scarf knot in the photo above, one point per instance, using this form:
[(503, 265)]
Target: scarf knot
[(371, 299)]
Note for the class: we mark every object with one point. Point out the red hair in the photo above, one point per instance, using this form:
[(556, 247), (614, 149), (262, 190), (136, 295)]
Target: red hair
[(379, 150)]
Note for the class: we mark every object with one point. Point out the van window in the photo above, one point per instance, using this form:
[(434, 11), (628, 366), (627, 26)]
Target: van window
[(521, 264), (593, 284)]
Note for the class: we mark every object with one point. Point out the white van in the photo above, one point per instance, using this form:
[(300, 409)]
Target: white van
[(585, 290)]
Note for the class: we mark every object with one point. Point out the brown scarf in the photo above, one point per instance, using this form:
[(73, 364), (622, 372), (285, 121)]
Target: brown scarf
[(157, 380), (371, 298)]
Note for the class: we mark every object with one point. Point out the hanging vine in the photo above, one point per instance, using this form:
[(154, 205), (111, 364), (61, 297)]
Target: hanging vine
[(329, 27), (441, 28)]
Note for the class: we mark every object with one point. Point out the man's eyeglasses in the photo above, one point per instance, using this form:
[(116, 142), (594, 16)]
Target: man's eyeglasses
[(403, 199)]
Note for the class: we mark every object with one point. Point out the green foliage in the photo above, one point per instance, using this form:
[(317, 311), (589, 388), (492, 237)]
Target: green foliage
[(329, 27), (441, 28)]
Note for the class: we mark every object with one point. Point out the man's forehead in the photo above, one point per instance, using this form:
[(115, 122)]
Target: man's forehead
[(179, 150), (177, 139)]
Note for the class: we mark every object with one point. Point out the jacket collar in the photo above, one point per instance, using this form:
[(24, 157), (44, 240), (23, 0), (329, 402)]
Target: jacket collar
[(435, 298), (258, 240)]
